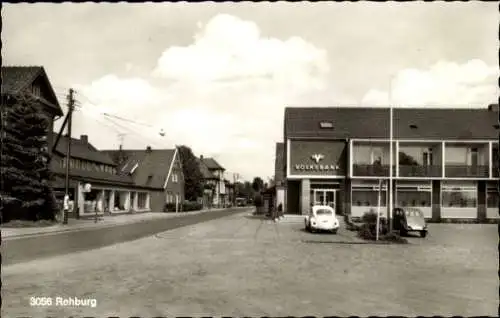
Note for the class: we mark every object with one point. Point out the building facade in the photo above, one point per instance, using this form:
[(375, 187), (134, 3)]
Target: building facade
[(95, 184), (159, 170), (279, 176), (214, 184), (445, 161)]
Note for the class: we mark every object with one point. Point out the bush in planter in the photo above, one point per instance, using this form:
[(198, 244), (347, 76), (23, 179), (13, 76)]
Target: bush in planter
[(368, 229)]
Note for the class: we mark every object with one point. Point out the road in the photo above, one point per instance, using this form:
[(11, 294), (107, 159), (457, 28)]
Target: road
[(30, 248), (239, 266)]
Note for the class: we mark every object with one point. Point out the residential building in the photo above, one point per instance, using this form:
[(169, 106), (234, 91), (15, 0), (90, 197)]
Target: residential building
[(159, 170), (110, 191), (31, 81), (215, 194), (445, 161)]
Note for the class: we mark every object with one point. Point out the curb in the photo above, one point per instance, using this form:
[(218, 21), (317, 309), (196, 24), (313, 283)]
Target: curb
[(103, 226)]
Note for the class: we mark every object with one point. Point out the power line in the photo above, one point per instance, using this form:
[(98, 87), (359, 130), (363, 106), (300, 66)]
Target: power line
[(113, 115), (117, 128)]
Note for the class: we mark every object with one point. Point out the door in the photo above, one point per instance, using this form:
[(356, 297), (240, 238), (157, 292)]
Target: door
[(330, 198), (324, 197)]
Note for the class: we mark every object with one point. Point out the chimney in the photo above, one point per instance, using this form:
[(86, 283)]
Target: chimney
[(148, 149), (84, 139)]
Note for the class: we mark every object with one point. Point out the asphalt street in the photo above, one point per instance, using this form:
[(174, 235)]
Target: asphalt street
[(31, 248)]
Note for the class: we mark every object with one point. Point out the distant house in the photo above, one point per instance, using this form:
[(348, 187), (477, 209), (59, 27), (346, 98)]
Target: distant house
[(31, 81), (110, 192), (215, 193), (157, 169)]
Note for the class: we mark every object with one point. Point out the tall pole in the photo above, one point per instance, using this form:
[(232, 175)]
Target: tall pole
[(391, 159), (71, 104)]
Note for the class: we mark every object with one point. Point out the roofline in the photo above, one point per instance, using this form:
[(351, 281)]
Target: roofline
[(79, 157), (170, 169)]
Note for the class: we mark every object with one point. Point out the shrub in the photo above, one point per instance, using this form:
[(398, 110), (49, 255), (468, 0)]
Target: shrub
[(191, 206), (169, 207), (368, 230), (258, 201)]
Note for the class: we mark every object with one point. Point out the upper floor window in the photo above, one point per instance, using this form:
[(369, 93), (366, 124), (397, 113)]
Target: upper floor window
[(473, 157), (175, 177), (326, 125), (35, 90), (427, 157)]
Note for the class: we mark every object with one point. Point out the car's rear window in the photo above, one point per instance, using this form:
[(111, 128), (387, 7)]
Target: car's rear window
[(323, 212), (413, 213)]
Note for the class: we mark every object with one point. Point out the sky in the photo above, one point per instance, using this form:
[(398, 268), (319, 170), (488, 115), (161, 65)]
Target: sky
[(218, 76)]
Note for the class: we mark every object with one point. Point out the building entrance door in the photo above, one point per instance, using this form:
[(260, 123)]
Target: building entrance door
[(324, 197)]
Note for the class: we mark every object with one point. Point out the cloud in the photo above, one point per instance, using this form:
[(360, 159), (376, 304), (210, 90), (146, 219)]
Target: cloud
[(443, 84), (228, 48)]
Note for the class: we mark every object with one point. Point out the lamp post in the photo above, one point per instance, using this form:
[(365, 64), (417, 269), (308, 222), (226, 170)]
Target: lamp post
[(391, 159)]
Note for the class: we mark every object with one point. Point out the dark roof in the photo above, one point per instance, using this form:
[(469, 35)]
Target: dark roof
[(15, 79), (92, 176), (279, 163), (82, 150), (152, 166), (207, 174), (212, 164), (365, 122)]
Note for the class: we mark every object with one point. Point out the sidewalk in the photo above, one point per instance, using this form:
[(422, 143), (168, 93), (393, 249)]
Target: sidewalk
[(103, 222)]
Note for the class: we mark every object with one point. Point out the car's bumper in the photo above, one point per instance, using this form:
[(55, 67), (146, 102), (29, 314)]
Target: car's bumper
[(325, 227)]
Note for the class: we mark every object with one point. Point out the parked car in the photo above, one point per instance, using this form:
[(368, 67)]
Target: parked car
[(321, 218), (409, 220)]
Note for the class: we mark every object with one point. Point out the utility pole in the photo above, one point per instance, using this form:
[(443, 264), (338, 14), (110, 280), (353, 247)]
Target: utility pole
[(71, 104)]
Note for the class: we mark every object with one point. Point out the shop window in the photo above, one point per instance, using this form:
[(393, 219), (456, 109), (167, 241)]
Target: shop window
[(492, 198), (459, 197), (368, 197), (414, 197)]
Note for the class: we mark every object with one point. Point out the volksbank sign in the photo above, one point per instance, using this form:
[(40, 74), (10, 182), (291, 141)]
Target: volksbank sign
[(316, 167)]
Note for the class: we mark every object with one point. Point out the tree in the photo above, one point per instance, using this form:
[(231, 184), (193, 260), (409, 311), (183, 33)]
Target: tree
[(193, 178), (257, 184), (26, 188)]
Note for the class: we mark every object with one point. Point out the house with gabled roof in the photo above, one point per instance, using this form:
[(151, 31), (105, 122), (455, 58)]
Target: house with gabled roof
[(445, 160), (159, 170), (98, 185), (31, 81), (215, 192)]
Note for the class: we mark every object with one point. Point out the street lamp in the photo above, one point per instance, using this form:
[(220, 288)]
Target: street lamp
[(391, 159)]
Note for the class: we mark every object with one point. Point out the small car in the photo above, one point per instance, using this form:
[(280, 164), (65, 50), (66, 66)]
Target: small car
[(321, 218), (409, 220)]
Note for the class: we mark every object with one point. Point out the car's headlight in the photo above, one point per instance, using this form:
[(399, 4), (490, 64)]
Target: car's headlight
[(313, 220)]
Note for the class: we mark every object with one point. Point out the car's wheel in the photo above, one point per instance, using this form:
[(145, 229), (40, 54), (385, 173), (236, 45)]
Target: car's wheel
[(403, 232), (334, 231), (423, 233)]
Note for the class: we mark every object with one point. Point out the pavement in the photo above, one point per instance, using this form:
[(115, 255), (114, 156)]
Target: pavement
[(242, 266), (30, 247), (89, 223)]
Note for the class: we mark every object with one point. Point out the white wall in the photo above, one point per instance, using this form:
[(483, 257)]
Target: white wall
[(458, 213), (492, 213), (280, 198)]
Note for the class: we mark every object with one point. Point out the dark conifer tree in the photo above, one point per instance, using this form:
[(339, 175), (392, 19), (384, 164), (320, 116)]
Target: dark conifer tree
[(26, 189)]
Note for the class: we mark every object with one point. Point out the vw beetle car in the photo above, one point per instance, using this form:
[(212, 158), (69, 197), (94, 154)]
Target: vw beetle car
[(409, 220), (321, 218)]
